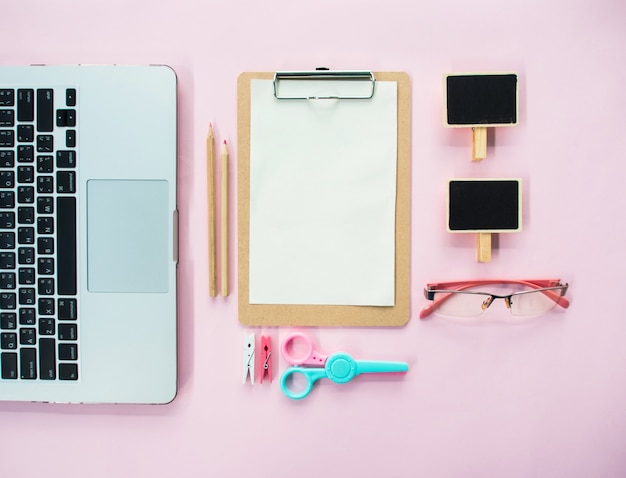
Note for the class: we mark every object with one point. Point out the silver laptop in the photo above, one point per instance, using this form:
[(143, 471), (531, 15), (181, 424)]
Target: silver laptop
[(88, 234)]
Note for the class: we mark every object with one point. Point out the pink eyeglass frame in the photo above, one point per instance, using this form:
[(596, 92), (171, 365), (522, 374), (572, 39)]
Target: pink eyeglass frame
[(462, 285)]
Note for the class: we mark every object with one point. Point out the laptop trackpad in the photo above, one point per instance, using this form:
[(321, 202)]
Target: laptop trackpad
[(127, 236)]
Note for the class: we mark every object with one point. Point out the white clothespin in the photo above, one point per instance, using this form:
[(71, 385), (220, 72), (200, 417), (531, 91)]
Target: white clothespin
[(248, 358)]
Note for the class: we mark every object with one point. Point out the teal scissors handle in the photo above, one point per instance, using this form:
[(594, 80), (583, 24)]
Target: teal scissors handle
[(364, 366), (311, 375), (340, 368)]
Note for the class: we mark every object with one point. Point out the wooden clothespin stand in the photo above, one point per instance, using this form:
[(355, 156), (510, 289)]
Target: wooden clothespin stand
[(483, 246), (479, 143)]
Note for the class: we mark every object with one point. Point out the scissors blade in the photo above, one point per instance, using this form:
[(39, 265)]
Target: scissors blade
[(370, 366)]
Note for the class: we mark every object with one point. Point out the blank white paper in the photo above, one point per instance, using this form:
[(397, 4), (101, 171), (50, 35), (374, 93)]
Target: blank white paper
[(322, 199)]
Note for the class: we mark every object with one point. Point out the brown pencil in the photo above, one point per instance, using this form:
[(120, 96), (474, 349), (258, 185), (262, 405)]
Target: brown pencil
[(224, 221), (210, 165)]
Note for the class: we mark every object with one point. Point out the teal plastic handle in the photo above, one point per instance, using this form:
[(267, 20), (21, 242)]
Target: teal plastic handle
[(381, 367), (311, 375)]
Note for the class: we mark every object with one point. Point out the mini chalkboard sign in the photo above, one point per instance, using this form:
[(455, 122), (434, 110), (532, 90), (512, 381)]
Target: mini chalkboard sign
[(484, 206), (480, 101)]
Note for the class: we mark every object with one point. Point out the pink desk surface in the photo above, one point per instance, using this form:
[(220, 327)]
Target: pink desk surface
[(543, 398)]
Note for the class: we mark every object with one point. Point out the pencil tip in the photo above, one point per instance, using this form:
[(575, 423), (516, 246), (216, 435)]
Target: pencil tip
[(225, 142)]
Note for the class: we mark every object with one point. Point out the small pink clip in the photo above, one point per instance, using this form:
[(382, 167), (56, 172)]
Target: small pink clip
[(266, 358)]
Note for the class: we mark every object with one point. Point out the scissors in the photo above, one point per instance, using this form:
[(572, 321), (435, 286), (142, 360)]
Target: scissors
[(339, 367)]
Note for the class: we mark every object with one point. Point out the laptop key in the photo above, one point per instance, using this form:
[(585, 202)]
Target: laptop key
[(67, 309), (7, 159), (45, 265), (9, 365), (68, 371), (66, 159), (7, 280), (7, 138), (66, 118), (45, 286), (7, 220), (7, 240), (27, 317), (70, 97), (8, 321), (25, 195), (25, 174), (25, 235), (28, 336), (70, 138), (47, 359), (46, 326), (28, 363), (26, 275), (25, 153), (45, 143), (25, 214), (7, 199), (25, 133), (8, 340), (7, 179), (26, 296), (26, 256), (68, 351), (45, 184), (45, 245), (25, 105), (45, 164), (7, 260), (66, 245), (7, 118), (8, 301), (45, 205), (45, 225), (46, 306), (45, 110), (66, 182), (67, 332), (7, 97)]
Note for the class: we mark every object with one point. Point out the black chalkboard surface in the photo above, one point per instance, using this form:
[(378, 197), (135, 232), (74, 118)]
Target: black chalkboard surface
[(481, 100), (484, 205)]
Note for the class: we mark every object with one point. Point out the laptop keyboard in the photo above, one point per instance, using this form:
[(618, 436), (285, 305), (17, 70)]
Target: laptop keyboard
[(38, 278)]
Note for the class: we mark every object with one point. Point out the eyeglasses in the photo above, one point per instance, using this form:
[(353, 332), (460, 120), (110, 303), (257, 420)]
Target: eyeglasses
[(469, 299)]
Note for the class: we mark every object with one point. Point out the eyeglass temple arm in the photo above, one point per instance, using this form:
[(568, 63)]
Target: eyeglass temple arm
[(535, 283), (461, 285)]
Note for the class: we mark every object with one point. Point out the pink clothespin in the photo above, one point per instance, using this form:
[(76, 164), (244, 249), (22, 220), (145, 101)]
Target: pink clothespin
[(248, 358), (266, 358)]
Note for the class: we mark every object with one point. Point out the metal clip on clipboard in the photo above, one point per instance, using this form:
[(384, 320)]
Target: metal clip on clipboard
[(324, 84)]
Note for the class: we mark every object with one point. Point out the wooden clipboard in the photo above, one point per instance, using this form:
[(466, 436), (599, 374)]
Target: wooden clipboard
[(327, 315)]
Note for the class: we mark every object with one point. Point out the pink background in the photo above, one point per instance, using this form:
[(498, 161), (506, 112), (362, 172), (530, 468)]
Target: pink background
[(545, 397)]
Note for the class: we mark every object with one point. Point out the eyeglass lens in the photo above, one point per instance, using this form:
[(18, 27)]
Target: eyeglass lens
[(472, 302)]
